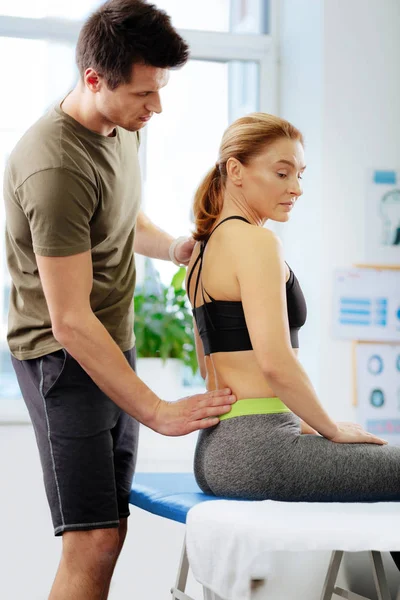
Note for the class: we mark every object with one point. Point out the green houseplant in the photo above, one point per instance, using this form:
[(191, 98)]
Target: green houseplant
[(163, 319)]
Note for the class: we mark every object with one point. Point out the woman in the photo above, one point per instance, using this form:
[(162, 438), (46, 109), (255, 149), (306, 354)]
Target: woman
[(277, 442)]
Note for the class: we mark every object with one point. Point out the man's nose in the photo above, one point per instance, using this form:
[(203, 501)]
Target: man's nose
[(153, 103)]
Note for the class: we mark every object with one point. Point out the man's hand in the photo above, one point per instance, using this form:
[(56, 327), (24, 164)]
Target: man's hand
[(183, 250), (192, 413)]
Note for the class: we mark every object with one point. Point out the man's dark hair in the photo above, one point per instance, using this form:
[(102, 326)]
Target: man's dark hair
[(123, 32)]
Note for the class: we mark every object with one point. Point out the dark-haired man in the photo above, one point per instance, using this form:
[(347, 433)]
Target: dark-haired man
[(72, 195)]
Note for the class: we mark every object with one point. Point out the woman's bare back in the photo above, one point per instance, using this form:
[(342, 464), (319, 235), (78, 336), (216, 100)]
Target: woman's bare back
[(238, 370)]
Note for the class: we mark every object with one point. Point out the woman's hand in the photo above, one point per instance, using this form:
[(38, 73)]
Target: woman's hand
[(352, 433), (305, 428)]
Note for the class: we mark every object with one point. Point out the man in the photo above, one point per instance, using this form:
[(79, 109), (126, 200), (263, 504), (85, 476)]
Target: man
[(72, 195)]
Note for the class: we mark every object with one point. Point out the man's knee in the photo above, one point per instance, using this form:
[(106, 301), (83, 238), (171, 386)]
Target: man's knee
[(98, 546)]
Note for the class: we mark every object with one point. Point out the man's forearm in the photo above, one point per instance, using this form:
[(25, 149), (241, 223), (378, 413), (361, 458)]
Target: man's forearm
[(150, 240), (97, 353)]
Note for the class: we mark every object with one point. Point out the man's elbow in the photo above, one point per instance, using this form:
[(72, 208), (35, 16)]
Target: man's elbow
[(63, 333), (67, 329)]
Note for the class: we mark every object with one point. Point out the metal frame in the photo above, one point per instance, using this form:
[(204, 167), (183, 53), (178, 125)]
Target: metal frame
[(178, 591), (329, 588)]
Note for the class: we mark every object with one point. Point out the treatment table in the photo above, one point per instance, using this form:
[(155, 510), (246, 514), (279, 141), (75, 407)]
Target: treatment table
[(231, 544)]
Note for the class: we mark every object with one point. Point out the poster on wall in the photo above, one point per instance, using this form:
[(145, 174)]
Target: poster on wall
[(377, 385), (382, 217), (366, 304)]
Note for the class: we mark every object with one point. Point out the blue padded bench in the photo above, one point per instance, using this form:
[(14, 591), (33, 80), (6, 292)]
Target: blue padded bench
[(172, 495), (169, 495)]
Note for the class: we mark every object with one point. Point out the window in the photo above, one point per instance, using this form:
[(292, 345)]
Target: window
[(73, 9), (34, 78), (198, 104), (231, 73), (237, 16)]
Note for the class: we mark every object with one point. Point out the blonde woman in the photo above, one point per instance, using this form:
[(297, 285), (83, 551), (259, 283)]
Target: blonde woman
[(277, 442)]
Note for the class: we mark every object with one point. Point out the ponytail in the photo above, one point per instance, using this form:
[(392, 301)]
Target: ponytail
[(207, 203)]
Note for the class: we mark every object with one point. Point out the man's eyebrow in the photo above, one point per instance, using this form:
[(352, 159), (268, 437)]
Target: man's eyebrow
[(289, 162)]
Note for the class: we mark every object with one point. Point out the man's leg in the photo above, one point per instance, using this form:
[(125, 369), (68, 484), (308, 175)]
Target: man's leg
[(122, 535), (86, 566), (77, 430)]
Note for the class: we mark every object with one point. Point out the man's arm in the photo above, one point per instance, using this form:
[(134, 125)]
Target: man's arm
[(154, 242), (150, 240), (67, 282)]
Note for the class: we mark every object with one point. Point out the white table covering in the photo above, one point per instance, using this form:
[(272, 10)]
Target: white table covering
[(226, 540)]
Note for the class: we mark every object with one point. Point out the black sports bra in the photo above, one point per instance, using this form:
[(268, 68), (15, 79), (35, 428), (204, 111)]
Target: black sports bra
[(221, 323)]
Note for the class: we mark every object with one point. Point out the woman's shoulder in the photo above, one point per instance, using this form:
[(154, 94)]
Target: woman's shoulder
[(252, 239)]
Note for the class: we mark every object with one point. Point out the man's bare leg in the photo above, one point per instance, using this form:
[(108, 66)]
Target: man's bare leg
[(86, 566), (123, 528)]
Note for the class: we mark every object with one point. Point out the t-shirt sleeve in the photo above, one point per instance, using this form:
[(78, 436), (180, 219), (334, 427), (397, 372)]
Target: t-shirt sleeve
[(59, 205)]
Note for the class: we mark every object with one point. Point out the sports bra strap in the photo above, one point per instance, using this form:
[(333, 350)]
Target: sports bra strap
[(198, 274), (191, 274), (200, 259), (228, 219)]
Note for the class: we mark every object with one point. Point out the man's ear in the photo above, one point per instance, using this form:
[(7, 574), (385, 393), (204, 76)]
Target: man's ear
[(92, 80)]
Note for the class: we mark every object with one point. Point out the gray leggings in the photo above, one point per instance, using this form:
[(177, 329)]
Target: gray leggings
[(265, 457)]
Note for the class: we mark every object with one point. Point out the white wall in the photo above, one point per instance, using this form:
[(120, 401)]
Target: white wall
[(361, 130), (301, 102), (340, 77)]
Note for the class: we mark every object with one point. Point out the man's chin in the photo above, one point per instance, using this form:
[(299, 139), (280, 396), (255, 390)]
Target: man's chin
[(134, 126), (140, 124)]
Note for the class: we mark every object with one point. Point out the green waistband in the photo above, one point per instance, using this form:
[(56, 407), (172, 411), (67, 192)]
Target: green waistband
[(255, 406)]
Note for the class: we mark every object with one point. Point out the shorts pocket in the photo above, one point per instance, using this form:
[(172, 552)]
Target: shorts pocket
[(52, 367)]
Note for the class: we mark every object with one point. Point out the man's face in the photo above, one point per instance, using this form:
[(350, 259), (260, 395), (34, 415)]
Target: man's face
[(131, 105)]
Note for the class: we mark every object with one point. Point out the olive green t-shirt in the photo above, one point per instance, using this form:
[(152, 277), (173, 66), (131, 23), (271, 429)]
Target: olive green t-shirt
[(68, 190)]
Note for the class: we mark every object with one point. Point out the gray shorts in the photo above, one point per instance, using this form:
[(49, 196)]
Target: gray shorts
[(87, 444)]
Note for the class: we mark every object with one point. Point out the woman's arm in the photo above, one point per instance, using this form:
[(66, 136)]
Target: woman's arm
[(262, 280)]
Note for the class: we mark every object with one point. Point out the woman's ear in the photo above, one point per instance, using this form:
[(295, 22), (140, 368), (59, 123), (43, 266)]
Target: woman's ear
[(234, 171)]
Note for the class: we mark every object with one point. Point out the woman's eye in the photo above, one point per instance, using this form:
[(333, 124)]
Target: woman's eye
[(281, 175), (300, 176)]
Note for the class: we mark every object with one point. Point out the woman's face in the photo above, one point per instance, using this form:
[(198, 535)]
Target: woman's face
[(271, 182)]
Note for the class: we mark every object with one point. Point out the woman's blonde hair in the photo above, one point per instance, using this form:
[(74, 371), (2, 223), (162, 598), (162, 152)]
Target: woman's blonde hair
[(246, 138)]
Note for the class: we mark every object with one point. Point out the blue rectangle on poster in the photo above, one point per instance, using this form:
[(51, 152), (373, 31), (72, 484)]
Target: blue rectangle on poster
[(385, 177)]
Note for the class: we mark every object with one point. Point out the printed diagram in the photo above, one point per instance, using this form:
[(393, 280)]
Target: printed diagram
[(366, 304), (378, 389), (382, 218), (390, 218)]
